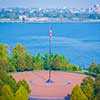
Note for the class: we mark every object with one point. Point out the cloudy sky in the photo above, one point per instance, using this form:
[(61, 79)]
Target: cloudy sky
[(49, 3)]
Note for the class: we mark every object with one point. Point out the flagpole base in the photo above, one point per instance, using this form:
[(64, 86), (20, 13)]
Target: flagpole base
[(49, 81)]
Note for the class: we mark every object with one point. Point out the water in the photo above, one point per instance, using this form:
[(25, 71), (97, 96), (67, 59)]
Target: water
[(78, 42)]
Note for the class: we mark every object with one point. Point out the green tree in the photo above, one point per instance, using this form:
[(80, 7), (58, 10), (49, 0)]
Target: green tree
[(87, 80), (87, 87), (9, 80), (76, 68), (9, 88), (38, 62), (3, 51), (2, 98), (7, 92), (77, 94), (11, 69), (88, 91), (3, 75), (46, 61), (21, 94), (69, 67), (28, 61), (21, 65), (3, 57), (66, 66), (1, 85), (97, 96), (92, 67), (18, 57), (12, 83), (25, 84), (97, 86), (57, 62), (98, 69), (19, 50), (12, 64)]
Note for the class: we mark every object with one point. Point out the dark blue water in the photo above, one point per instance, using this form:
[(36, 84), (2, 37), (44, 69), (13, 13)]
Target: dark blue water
[(78, 42)]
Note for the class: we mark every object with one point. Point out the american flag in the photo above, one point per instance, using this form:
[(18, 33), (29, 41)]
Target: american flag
[(50, 35)]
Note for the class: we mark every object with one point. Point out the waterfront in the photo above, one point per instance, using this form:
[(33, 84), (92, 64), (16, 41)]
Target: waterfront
[(78, 42)]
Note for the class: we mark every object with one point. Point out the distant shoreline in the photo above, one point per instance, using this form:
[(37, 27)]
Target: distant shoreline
[(46, 21)]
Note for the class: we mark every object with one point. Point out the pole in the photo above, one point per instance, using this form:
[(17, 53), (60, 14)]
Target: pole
[(49, 78), (49, 59)]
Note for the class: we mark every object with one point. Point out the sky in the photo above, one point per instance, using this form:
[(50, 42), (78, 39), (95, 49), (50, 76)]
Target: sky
[(49, 3)]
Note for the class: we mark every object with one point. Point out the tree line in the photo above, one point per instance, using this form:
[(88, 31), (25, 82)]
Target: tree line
[(93, 68), (21, 60), (11, 90), (88, 90)]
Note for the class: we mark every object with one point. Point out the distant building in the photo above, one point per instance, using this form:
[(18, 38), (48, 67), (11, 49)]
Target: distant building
[(97, 8), (23, 17)]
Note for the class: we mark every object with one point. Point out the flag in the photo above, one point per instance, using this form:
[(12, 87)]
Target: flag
[(50, 34)]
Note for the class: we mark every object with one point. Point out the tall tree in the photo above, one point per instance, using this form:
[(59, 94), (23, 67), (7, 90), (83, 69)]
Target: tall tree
[(3, 76), (1, 85), (21, 94), (18, 54), (98, 69), (97, 96), (21, 64), (46, 61), (57, 62), (92, 67), (3, 57), (12, 64), (77, 94), (87, 87), (2, 98), (11, 82), (7, 92), (8, 88), (28, 61), (97, 86), (19, 50), (6, 79), (88, 91), (25, 84), (87, 80), (38, 62)]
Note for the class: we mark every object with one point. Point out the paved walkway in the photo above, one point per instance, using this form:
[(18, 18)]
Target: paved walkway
[(62, 86)]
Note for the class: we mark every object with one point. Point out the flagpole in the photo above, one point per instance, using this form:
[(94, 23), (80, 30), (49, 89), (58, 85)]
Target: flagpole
[(49, 78), (49, 59)]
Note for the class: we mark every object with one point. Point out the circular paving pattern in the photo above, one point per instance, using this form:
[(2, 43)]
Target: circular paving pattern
[(39, 82), (60, 88)]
